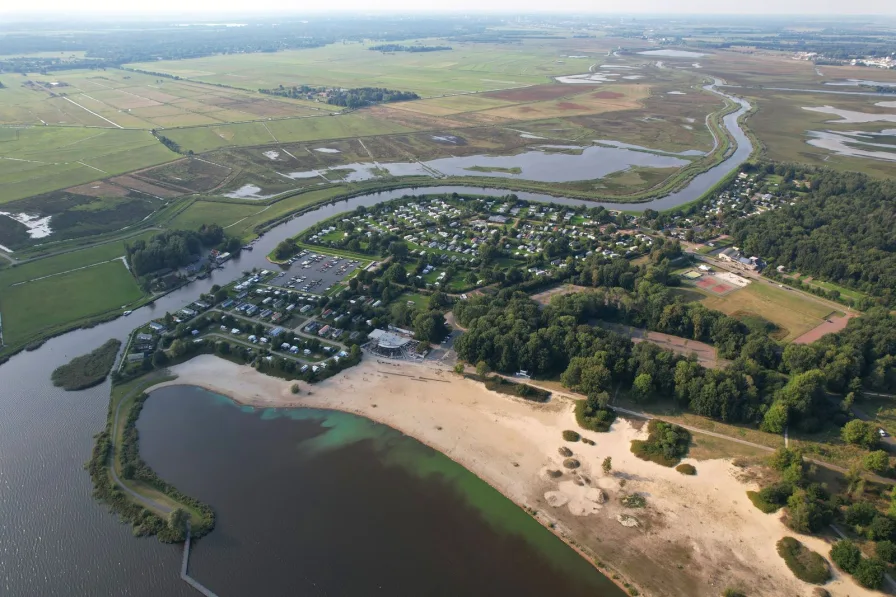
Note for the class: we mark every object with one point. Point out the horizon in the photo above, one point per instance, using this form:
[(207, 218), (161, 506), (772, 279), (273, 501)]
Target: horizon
[(206, 9)]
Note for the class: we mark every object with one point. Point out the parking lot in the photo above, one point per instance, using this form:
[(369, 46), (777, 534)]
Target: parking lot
[(315, 272)]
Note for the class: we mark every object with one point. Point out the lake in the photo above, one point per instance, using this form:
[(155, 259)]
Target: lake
[(314, 502)]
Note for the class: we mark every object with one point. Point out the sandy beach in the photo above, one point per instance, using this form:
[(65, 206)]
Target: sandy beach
[(696, 536)]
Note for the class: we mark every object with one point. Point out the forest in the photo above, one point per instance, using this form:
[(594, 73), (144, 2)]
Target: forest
[(842, 232), (176, 248), (347, 98), (765, 384)]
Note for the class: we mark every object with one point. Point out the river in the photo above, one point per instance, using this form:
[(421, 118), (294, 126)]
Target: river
[(54, 538)]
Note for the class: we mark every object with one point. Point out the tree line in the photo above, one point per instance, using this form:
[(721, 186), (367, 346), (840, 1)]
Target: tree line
[(403, 48)]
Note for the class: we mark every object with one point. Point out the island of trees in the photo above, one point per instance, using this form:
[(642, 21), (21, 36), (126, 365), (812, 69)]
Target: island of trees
[(403, 48), (347, 98), (87, 370)]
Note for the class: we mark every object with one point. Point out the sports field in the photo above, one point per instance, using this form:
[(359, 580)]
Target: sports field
[(32, 308), (787, 309), (39, 159), (468, 67)]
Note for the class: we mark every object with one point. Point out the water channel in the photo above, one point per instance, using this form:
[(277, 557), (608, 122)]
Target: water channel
[(54, 539)]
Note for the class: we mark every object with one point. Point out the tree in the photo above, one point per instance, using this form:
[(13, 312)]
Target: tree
[(177, 521), (430, 327), (159, 358), (846, 555), (459, 368), (607, 465), (482, 369), (178, 348), (877, 461), (860, 433), (886, 551), (776, 418), (643, 385)]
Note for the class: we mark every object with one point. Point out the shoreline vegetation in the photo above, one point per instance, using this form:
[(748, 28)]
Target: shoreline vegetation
[(127, 485), (516, 445), (87, 370)]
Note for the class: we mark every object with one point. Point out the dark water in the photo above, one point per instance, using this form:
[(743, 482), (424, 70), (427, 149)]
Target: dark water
[(314, 502)]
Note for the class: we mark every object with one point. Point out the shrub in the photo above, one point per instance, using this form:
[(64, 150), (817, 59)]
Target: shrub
[(686, 469), (571, 436), (564, 451), (295, 388), (886, 551), (594, 419), (846, 555), (666, 445), (571, 463), (805, 564), (877, 461), (633, 500), (729, 592), (870, 573), (588, 442), (87, 370)]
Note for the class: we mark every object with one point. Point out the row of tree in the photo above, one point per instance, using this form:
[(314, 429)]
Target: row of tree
[(176, 248), (347, 98)]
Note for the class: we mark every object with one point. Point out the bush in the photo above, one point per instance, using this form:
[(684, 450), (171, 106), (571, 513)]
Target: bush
[(564, 451), (571, 463), (870, 573), (571, 436), (886, 551), (877, 462), (594, 419), (729, 592), (666, 445), (805, 564), (762, 504), (87, 370), (633, 500), (846, 555), (294, 388), (686, 469)]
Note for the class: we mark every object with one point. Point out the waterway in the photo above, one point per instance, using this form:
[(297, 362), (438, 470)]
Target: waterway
[(313, 502), (54, 538)]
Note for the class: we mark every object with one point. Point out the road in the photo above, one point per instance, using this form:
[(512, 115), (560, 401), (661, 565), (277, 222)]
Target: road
[(141, 498), (699, 431)]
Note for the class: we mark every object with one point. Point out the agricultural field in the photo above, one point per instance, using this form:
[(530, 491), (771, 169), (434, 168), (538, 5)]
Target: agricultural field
[(33, 308), (358, 124), (465, 69), (793, 313), (37, 160), (115, 98)]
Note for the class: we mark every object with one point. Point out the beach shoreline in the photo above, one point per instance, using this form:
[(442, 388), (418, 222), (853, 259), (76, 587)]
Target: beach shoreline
[(697, 535)]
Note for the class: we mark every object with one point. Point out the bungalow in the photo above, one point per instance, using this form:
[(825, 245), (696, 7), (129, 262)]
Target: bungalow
[(157, 327)]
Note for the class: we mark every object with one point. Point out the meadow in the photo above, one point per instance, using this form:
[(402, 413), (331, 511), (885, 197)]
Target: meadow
[(787, 309), (116, 98), (41, 307), (466, 68), (782, 125), (41, 159)]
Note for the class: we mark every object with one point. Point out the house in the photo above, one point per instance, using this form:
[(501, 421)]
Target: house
[(157, 327), (136, 357)]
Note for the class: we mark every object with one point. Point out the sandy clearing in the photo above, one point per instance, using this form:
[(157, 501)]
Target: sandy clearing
[(697, 536)]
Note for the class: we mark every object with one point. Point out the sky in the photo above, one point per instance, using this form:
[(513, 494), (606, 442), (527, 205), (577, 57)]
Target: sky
[(86, 8)]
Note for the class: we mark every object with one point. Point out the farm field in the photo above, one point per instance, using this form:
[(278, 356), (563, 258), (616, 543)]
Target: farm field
[(40, 159), (206, 138), (467, 68), (115, 98), (40, 307), (785, 308)]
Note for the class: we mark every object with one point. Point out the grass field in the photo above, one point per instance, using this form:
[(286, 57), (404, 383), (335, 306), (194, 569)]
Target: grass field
[(118, 98), (787, 309), (466, 68), (358, 124), (38, 307), (42, 159)]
